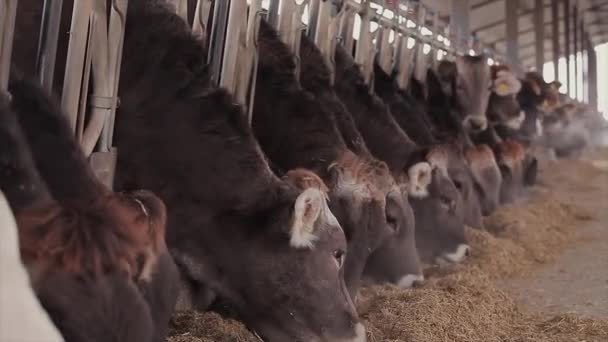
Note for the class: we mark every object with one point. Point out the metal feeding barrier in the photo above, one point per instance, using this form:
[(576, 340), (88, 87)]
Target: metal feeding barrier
[(230, 30), (8, 14), (95, 50)]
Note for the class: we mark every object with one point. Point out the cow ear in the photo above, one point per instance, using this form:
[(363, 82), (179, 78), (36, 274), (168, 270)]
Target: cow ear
[(306, 212), (420, 176)]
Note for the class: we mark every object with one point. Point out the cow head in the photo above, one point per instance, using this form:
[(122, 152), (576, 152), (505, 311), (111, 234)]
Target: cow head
[(287, 281), (487, 176), (376, 219), (467, 81), (89, 231), (503, 107), (511, 156), (438, 209)]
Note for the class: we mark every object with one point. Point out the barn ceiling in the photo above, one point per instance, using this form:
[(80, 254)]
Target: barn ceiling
[(487, 20)]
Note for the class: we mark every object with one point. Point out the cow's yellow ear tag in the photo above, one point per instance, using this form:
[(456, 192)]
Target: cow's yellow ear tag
[(545, 104), (503, 88)]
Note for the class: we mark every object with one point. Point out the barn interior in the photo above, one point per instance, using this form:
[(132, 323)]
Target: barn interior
[(332, 106)]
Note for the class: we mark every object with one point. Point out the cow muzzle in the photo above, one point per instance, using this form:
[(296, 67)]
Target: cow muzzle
[(461, 253), (475, 123)]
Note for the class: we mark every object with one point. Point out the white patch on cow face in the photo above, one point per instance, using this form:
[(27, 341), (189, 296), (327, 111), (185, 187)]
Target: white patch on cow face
[(348, 185), (310, 213), (457, 256), (360, 334), (516, 122), (420, 177), (476, 123), (408, 280), (506, 83)]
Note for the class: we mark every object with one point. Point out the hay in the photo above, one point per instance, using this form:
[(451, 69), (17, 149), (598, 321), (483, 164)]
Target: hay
[(465, 307), (207, 327), (464, 303)]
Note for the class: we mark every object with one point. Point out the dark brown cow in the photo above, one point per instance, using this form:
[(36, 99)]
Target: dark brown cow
[(411, 118), (396, 260), (423, 174), (93, 246), (445, 111), (297, 128), (273, 253)]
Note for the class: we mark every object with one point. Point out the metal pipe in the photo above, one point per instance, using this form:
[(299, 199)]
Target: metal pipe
[(201, 18), (539, 34), (567, 45), (555, 36), (8, 16), (47, 44), (75, 59), (216, 44), (512, 23)]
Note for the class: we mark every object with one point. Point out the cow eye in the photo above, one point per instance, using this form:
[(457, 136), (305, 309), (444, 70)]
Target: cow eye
[(392, 222), (447, 202), (458, 185), (339, 256)]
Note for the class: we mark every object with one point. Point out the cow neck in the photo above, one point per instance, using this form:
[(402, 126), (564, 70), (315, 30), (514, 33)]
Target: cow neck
[(383, 136), (315, 77), (195, 145), (68, 176), (411, 118), (293, 127)]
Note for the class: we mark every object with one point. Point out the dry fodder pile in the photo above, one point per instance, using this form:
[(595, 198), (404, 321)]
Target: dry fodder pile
[(463, 303)]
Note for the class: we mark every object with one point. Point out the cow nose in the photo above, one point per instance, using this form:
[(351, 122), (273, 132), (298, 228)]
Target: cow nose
[(410, 280), (476, 123), (461, 252)]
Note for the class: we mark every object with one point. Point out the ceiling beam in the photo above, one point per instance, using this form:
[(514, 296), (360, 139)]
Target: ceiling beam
[(593, 7)]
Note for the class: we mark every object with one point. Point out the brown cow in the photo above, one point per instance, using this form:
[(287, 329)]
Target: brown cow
[(411, 118), (273, 253), (422, 174), (297, 128), (447, 113), (65, 243)]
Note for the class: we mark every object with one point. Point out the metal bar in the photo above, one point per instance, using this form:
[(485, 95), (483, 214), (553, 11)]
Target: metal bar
[(201, 18), (47, 44), (216, 44), (512, 21), (592, 65), (8, 16), (231, 44), (420, 65), (576, 48), (75, 59), (273, 13), (567, 51), (460, 22), (555, 36), (539, 34)]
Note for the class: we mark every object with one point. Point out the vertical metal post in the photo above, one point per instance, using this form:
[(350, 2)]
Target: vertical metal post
[(584, 59), (567, 50), (555, 36), (539, 34), (47, 44), (201, 19), (460, 23), (512, 28), (592, 65), (273, 13), (75, 60), (8, 14), (576, 49), (216, 44)]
